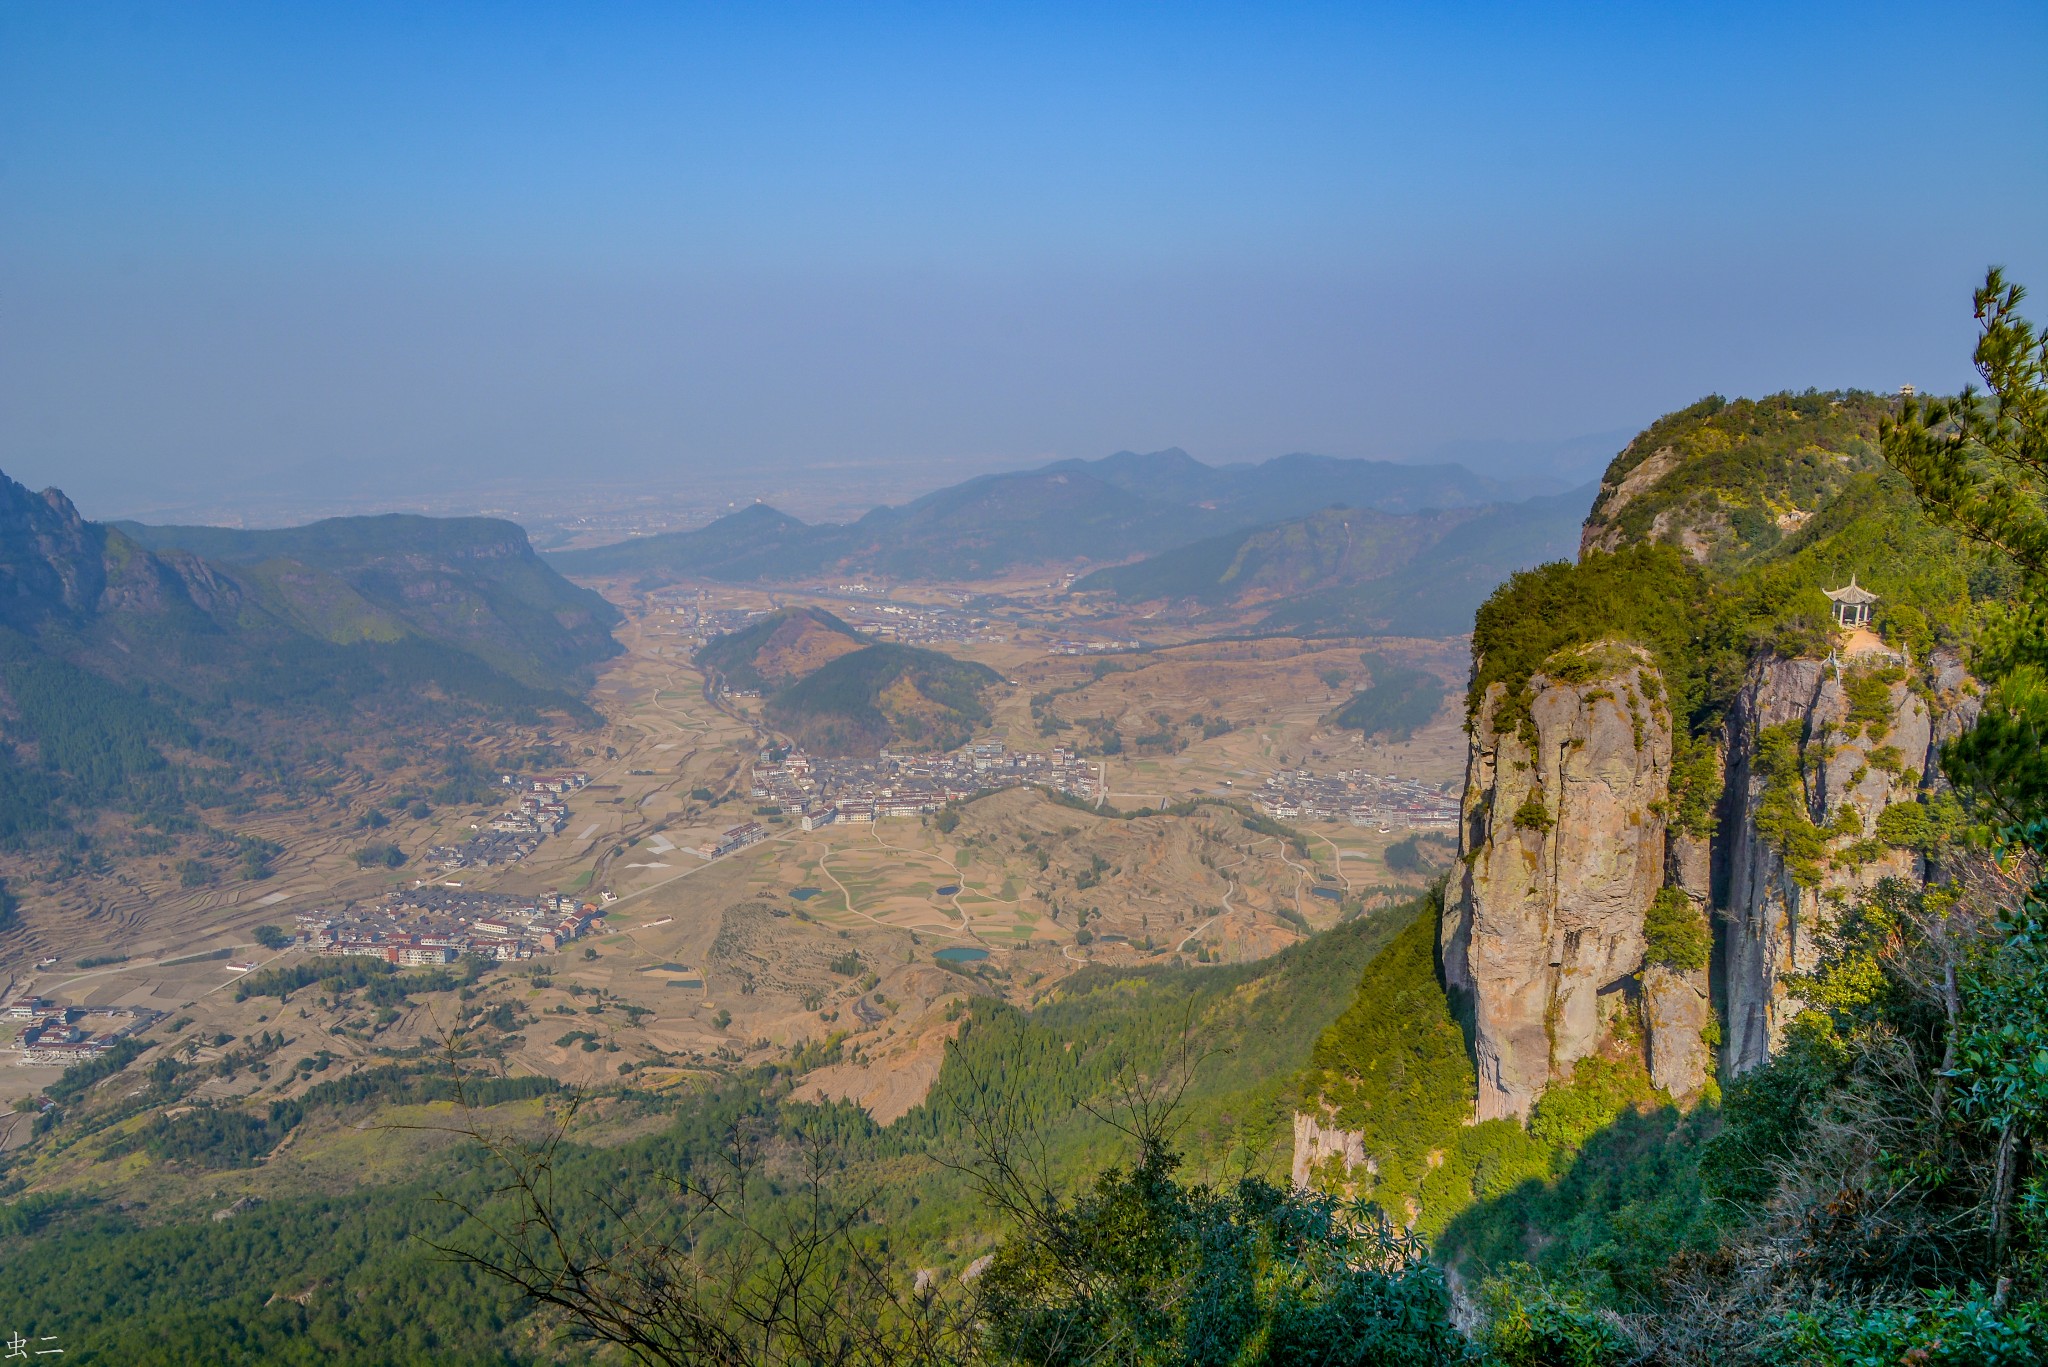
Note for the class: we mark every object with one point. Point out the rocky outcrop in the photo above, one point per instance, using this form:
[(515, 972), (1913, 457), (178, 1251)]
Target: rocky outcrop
[(1316, 1142), (50, 558), (1677, 1018), (1562, 850), (1601, 533), (1565, 845)]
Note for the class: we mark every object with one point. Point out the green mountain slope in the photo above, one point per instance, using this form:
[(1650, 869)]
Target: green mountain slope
[(472, 583), (1337, 546), (118, 657), (1727, 481)]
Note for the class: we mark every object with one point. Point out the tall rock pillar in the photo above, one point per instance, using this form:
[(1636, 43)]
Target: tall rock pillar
[(1562, 850)]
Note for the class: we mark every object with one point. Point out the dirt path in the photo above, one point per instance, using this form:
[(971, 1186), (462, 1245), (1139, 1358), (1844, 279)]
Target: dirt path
[(1336, 857), (825, 867), (1228, 893), (959, 878)]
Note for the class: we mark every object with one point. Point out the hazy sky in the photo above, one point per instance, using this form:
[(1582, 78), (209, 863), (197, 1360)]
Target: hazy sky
[(264, 245)]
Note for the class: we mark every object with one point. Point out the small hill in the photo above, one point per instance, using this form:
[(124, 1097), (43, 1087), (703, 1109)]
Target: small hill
[(836, 692), (779, 649), (884, 695), (1400, 700)]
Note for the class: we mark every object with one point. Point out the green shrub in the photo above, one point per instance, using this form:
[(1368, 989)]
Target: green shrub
[(1781, 815), (1533, 815), (1676, 933), (1939, 1329), (380, 856), (1600, 1089), (1696, 780), (1531, 1322), (1906, 825)]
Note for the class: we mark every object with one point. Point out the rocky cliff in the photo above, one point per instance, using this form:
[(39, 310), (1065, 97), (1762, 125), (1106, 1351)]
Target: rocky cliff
[(1562, 851), (1688, 751), (1566, 846), (1817, 751)]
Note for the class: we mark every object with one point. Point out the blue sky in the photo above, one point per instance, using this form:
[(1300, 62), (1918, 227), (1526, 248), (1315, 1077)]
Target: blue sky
[(243, 245)]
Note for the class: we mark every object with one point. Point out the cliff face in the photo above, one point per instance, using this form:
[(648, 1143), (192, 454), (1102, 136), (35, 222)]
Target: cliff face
[(1863, 740), (1562, 850), (1545, 936)]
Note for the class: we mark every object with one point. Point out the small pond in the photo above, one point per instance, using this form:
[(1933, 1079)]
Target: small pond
[(803, 894), (1331, 893), (961, 954), (947, 890)]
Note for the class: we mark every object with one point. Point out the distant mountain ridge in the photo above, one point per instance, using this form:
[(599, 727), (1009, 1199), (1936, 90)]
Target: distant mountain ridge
[(1357, 571), (1102, 510)]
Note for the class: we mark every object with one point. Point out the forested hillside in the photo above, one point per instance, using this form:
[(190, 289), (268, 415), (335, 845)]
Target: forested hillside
[(354, 1276), (472, 583)]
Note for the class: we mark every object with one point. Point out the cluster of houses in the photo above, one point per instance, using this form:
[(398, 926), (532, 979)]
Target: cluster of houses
[(734, 840), (516, 832), (917, 624), (52, 1035), (428, 925), (823, 791), (1357, 796)]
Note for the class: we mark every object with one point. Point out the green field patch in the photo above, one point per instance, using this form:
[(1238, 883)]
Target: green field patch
[(198, 958)]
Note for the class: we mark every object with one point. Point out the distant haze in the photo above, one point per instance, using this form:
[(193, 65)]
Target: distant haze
[(307, 257)]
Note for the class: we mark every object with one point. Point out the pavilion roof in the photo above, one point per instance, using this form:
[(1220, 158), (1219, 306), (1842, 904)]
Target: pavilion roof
[(1854, 595)]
